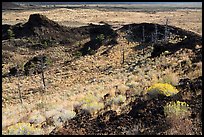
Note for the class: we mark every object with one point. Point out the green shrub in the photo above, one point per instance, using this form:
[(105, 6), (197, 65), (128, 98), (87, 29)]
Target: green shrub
[(77, 54), (100, 37), (45, 44), (10, 34), (91, 51), (31, 41), (49, 61)]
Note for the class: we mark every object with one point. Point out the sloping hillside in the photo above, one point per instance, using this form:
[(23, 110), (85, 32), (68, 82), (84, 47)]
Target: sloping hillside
[(10, 5), (97, 78)]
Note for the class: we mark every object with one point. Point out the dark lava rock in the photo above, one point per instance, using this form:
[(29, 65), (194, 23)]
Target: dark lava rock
[(158, 49), (100, 35), (189, 39), (34, 66), (5, 28), (38, 46), (37, 20), (40, 28), (13, 71), (136, 31)]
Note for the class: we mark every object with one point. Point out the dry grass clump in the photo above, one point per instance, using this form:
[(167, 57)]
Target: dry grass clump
[(120, 99), (102, 100), (197, 71), (166, 76), (62, 115), (122, 88), (90, 102), (36, 118), (24, 129), (133, 85), (139, 82), (90, 98), (170, 77), (116, 103), (92, 107), (14, 114), (51, 119), (154, 78)]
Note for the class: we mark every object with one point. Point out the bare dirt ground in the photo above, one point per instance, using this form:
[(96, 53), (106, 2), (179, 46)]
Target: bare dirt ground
[(67, 83), (186, 19)]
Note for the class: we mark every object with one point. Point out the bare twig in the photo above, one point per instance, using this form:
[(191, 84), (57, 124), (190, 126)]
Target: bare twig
[(43, 76), (19, 89), (123, 54), (156, 32), (143, 34), (166, 33)]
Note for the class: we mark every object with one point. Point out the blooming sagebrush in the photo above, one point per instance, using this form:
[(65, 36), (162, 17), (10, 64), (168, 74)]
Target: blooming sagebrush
[(24, 129), (160, 88), (176, 108)]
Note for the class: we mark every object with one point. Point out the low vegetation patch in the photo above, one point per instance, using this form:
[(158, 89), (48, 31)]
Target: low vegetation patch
[(162, 88), (24, 129)]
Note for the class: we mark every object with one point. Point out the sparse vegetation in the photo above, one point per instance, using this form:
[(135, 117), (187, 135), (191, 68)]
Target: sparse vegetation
[(77, 54), (90, 103), (24, 129), (91, 51), (10, 34), (156, 91), (170, 77), (119, 100), (62, 116), (177, 114), (100, 38), (92, 107), (178, 109), (36, 118)]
